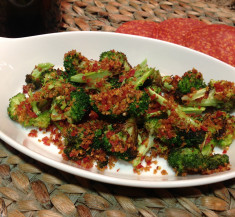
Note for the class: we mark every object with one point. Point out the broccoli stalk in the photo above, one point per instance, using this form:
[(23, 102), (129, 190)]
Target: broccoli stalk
[(90, 77), (218, 94), (190, 122), (138, 75), (192, 110), (187, 110), (143, 149)]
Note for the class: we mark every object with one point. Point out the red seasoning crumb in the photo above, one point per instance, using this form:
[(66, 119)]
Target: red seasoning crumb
[(164, 172), (33, 133), (46, 141)]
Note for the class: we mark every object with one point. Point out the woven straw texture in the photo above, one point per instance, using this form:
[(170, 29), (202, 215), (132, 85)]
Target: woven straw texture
[(106, 15), (29, 188)]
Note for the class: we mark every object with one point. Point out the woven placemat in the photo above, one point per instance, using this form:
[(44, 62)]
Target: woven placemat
[(30, 188), (107, 15)]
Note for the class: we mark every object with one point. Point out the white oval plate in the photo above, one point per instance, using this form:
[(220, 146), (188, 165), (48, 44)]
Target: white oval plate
[(19, 56)]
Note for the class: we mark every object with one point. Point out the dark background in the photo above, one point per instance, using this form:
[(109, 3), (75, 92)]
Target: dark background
[(19, 18)]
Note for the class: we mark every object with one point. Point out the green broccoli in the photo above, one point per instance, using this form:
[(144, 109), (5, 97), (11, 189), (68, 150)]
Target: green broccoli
[(191, 160), (138, 75), (113, 82), (120, 103), (191, 80), (75, 63), (91, 78), (171, 135), (14, 102), (73, 108), (117, 61), (96, 74), (220, 127), (172, 107), (43, 120), (83, 139), (37, 75), (143, 148), (79, 106), (120, 140), (20, 109), (139, 107), (88, 138)]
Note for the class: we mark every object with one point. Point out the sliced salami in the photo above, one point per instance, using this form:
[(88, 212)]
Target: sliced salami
[(174, 30), (138, 27), (217, 40)]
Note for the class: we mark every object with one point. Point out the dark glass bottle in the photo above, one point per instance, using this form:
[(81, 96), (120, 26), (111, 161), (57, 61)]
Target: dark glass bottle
[(22, 18)]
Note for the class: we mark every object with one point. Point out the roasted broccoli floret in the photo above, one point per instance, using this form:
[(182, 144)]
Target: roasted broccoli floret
[(22, 110), (75, 63), (120, 103), (165, 130), (36, 78), (43, 120), (73, 107), (117, 61), (218, 94), (99, 74), (99, 140), (84, 140), (191, 80), (78, 107), (120, 140), (191, 160), (139, 106), (220, 127), (113, 82)]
